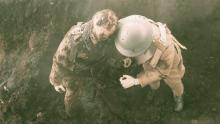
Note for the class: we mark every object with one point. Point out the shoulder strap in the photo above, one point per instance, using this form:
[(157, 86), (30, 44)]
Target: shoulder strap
[(161, 44)]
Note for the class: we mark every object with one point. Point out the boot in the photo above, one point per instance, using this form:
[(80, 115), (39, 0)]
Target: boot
[(179, 103)]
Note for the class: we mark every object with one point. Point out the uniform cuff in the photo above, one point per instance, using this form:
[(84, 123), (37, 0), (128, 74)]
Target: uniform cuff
[(136, 82), (140, 82)]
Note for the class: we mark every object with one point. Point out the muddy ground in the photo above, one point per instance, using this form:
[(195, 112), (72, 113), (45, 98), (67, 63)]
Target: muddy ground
[(31, 30)]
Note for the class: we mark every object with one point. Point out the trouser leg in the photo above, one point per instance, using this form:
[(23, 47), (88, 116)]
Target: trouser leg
[(155, 85), (80, 101), (72, 103), (176, 85), (178, 89)]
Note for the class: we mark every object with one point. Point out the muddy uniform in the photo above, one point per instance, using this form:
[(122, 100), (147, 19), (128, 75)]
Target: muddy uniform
[(76, 64)]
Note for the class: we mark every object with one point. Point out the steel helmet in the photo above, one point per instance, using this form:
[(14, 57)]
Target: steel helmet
[(134, 35)]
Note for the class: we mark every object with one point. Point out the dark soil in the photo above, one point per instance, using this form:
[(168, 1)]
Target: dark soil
[(31, 30)]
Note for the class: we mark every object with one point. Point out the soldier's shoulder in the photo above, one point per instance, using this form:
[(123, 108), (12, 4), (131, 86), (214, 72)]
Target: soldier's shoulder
[(76, 31), (74, 34), (71, 39)]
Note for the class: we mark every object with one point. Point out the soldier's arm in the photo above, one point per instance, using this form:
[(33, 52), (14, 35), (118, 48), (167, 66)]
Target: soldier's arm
[(166, 61), (148, 76), (162, 69), (64, 60)]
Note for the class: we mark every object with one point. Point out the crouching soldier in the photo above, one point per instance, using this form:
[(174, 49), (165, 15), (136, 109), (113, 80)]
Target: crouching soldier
[(73, 63), (153, 46)]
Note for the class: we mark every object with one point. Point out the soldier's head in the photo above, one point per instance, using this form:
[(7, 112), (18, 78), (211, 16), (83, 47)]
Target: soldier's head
[(135, 35), (104, 24)]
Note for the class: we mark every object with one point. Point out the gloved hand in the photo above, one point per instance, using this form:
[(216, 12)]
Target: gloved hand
[(128, 81), (60, 88)]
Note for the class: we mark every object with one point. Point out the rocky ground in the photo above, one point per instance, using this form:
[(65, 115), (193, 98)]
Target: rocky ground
[(31, 30)]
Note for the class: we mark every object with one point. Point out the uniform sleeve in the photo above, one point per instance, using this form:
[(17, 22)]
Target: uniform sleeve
[(148, 76), (165, 63), (162, 69), (64, 59)]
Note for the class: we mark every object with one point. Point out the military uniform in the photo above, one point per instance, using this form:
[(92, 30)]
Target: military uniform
[(153, 46), (166, 62), (75, 63)]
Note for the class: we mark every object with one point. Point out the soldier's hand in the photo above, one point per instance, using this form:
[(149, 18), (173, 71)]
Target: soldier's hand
[(128, 81), (60, 88)]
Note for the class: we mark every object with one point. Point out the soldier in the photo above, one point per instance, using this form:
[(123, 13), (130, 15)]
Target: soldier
[(153, 46), (78, 60)]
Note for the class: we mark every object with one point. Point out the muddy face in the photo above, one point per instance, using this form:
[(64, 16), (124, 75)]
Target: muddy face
[(104, 24), (102, 33)]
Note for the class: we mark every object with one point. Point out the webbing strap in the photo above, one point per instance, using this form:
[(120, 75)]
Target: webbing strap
[(161, 44)]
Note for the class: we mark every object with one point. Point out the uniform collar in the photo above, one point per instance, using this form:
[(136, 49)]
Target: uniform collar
[(87, 30), (147, 55)]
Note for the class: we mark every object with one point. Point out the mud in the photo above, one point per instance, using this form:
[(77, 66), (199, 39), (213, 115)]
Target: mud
[(31, 30)]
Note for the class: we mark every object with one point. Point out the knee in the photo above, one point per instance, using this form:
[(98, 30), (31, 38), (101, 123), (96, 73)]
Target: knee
[(176, 85), (178, 89)]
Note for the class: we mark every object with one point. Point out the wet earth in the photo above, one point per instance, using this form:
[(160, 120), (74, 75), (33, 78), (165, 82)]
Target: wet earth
[(31, 30)]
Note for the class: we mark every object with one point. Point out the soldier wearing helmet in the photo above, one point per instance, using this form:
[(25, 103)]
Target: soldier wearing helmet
[(74, 61), (153, 46)]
